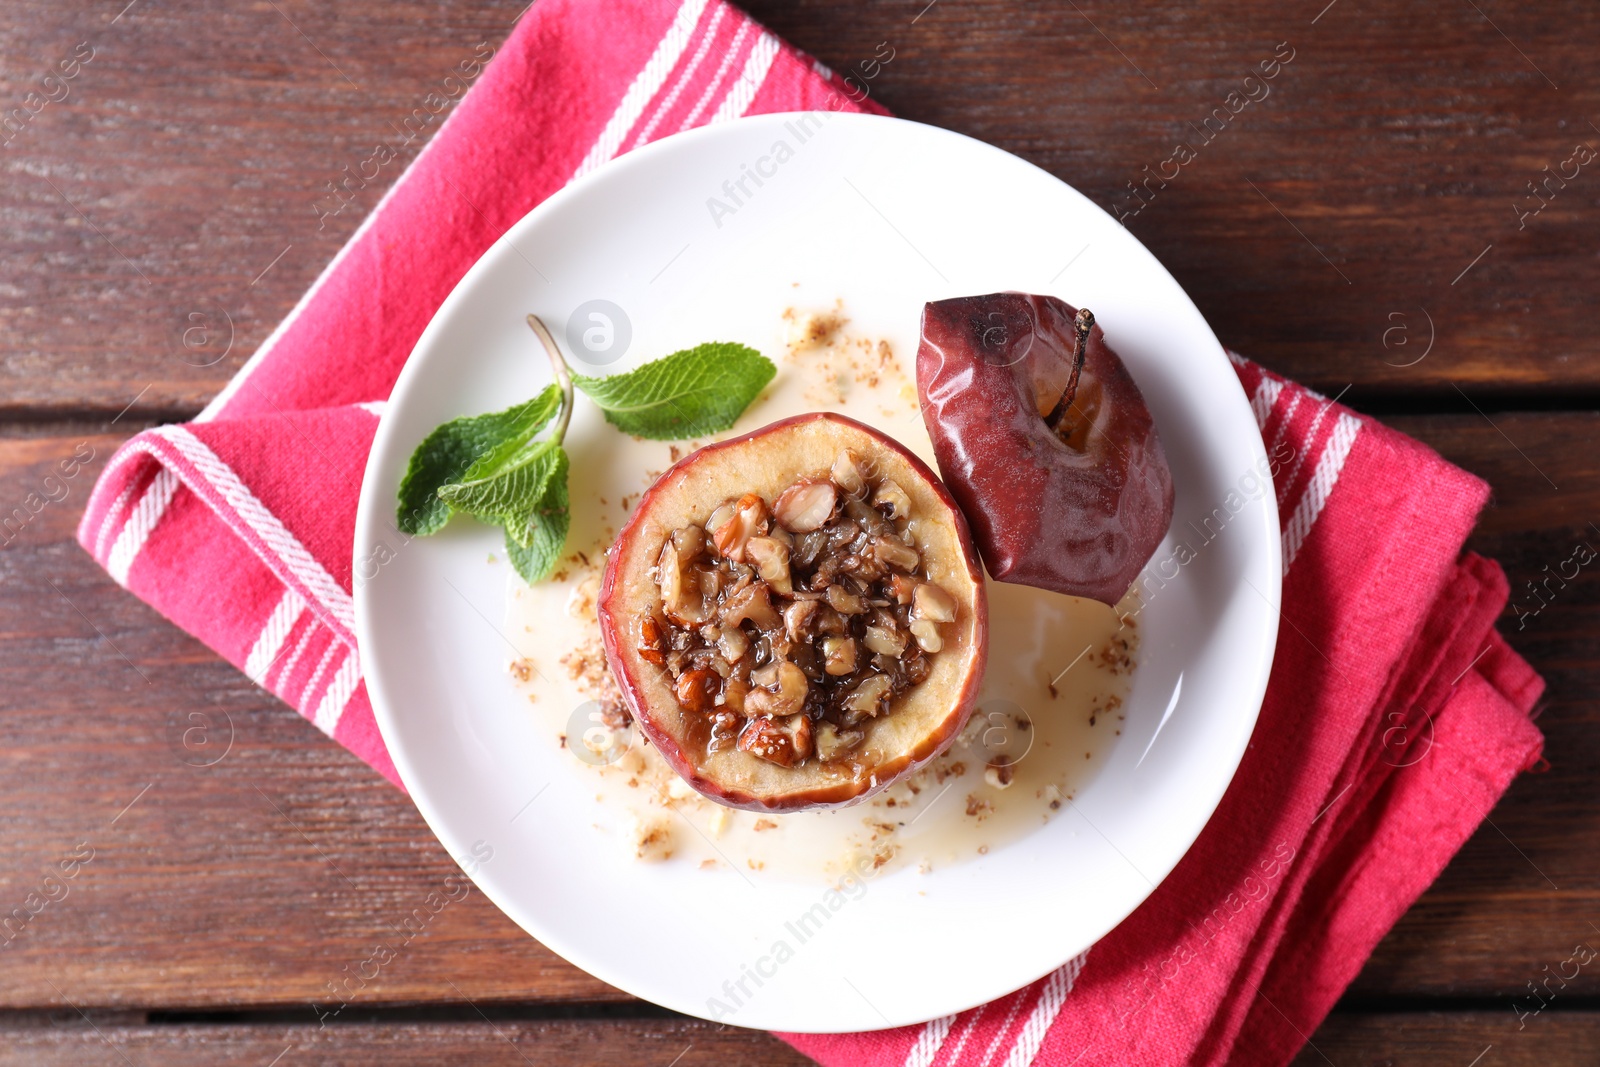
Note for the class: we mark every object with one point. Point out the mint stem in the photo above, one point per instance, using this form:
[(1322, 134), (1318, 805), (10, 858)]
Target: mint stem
[(563, 378)]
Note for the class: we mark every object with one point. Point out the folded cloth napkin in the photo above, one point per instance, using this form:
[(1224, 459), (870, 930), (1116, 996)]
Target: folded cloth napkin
[(1395, 716)]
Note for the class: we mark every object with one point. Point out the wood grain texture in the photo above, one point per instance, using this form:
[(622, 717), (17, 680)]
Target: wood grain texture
[(189, 155), (72, 1040), (1399, 1039), (1525, 888), (1387, 156), (1391, 151), (260, 879), (1460, 1039)]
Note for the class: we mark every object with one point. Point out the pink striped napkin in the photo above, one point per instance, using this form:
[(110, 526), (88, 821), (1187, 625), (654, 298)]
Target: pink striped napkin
[(239, 525)]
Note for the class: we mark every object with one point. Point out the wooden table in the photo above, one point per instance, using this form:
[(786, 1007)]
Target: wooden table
[(1367, 228)]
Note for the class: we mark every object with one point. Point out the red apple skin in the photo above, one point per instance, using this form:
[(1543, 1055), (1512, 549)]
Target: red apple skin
[(1081, 518), (622, 604)]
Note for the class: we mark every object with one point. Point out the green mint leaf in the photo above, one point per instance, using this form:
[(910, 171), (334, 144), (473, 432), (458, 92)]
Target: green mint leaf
[(545, 525), (692, 393), (448, 453)]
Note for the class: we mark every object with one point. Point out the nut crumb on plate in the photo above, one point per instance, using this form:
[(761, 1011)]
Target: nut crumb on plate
[(651, 838)]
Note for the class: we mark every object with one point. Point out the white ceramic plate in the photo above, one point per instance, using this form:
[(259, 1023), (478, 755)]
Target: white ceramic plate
[(886, 215)]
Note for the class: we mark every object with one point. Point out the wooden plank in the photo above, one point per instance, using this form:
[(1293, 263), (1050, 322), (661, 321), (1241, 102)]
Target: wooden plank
[(1519, 895), (502, 1043), (261, 879), (1388, 156), (203, 894), (174, 206), (1459, 1038), (1317, 229), (1401, 1039)]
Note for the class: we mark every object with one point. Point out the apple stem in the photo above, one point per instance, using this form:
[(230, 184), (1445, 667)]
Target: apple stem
[(1084, 323), (563, 378)]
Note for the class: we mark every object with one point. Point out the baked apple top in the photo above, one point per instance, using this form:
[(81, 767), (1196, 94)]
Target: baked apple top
[(796, 617), (1045, 441)]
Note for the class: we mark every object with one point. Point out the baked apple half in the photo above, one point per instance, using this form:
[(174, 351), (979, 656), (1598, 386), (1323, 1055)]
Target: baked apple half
[(796, 617)]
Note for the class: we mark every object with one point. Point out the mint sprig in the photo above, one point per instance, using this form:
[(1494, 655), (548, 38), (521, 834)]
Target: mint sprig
[(497, 468)]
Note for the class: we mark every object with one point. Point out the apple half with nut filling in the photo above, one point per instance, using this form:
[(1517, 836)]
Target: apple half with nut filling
[(796, 617)]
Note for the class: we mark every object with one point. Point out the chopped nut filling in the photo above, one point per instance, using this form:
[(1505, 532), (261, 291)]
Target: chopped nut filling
[(787, 625)]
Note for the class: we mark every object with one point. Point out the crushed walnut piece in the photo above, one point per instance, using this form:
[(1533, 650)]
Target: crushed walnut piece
[(651, 838), (1000, 772), (880, 829), (811, 329), (1116, 655), (586, 665)]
